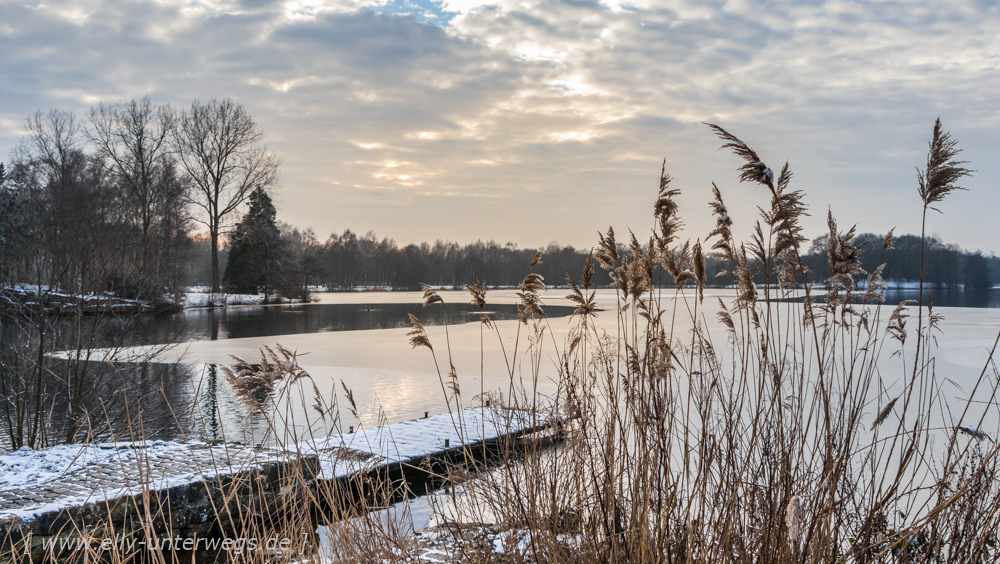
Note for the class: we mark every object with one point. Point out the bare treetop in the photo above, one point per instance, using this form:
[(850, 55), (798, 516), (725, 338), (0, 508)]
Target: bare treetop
[(221, 149), (133, 142)]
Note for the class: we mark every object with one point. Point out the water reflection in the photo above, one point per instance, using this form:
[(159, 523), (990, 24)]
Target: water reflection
[(210, 403), (267, 321), (947, 297), (940, 297)]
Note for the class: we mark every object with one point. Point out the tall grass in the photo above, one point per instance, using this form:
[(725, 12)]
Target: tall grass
[(815, 430), (798, 438)]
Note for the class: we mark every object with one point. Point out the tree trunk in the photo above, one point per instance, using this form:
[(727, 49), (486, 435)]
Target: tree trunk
[(215, 261)]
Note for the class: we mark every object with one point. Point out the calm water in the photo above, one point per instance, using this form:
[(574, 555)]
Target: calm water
[(266, 321), (196, 398), (167, 391), (939, 297), (949, 298), (402, 392)]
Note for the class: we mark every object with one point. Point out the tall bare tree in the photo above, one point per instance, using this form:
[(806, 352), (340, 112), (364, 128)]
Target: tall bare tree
[(133, 141), (221, 149), (62, 195)]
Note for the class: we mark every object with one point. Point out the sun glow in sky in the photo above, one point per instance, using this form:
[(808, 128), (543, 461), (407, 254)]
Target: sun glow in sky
[(539, 120)]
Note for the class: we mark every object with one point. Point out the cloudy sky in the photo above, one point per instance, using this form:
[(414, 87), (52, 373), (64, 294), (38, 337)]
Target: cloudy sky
[(546, 120)]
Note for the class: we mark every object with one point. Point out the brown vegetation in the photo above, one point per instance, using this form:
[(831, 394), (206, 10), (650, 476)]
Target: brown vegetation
[(788, 442)]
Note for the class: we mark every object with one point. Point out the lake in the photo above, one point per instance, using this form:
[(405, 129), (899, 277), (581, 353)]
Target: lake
[(239, 322), (358, 342), (939, 297)]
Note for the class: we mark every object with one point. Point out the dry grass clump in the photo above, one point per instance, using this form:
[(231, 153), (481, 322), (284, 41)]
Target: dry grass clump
[(790, 442)]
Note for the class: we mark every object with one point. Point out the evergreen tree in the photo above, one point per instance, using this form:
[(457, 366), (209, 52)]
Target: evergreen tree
[(254, 264), (977, 271)]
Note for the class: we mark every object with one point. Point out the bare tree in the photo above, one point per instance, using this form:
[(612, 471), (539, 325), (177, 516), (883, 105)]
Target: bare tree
[(132, 141), (64, 197), (53, 144), (221, 149)]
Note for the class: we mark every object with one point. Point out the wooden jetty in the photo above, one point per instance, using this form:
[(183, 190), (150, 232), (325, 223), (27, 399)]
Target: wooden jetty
[(166, 490)]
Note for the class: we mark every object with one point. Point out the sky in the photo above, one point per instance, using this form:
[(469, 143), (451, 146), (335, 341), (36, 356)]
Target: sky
[(533, 121)]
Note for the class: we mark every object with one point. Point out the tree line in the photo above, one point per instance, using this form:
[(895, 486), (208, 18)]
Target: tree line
[(109, 203), (348, 260), (946, 265)]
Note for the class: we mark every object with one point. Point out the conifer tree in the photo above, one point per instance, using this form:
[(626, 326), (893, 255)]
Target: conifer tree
[(254, 264)]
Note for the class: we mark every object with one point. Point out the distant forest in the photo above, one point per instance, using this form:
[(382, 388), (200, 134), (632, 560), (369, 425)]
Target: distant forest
[(349, 260), (83, 248), (110, 204)]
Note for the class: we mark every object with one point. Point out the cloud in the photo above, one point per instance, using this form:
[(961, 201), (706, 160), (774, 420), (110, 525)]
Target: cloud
[(552, 114)]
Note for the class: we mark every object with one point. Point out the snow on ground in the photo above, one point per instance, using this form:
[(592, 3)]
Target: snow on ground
[(192, 297), (200, 296), (34, 482), (199, 299), (26, 467)]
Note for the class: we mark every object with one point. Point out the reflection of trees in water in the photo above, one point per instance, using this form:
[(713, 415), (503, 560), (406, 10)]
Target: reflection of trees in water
[(981, 298), (210, 405), (213, 327), (264, 321), (67, 380), (213, 414), (945, 297)]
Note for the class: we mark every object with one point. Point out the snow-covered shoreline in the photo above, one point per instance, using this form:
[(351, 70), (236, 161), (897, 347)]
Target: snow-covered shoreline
[(35, 299), (192, 300)]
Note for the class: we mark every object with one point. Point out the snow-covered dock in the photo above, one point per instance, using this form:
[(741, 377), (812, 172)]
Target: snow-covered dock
[(409, 443), (48, 492)]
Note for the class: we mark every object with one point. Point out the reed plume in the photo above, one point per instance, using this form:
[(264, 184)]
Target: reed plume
[(887, 241), (607, 251), (536, 260), (351, 404), (640, 272), (700, 269), (939, 178), (933, 184), (254, 387), (746, 290), (722, 248), (884, 414), (529, 303), (875, 285), (897, 321), (417, 335), (586, 303), (665, 212), (724, 316), (845, 263), (478, 292), (754, 170), (431, 296)]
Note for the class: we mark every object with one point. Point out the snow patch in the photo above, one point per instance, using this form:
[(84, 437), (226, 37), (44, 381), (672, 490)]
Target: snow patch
[(366, 449)]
